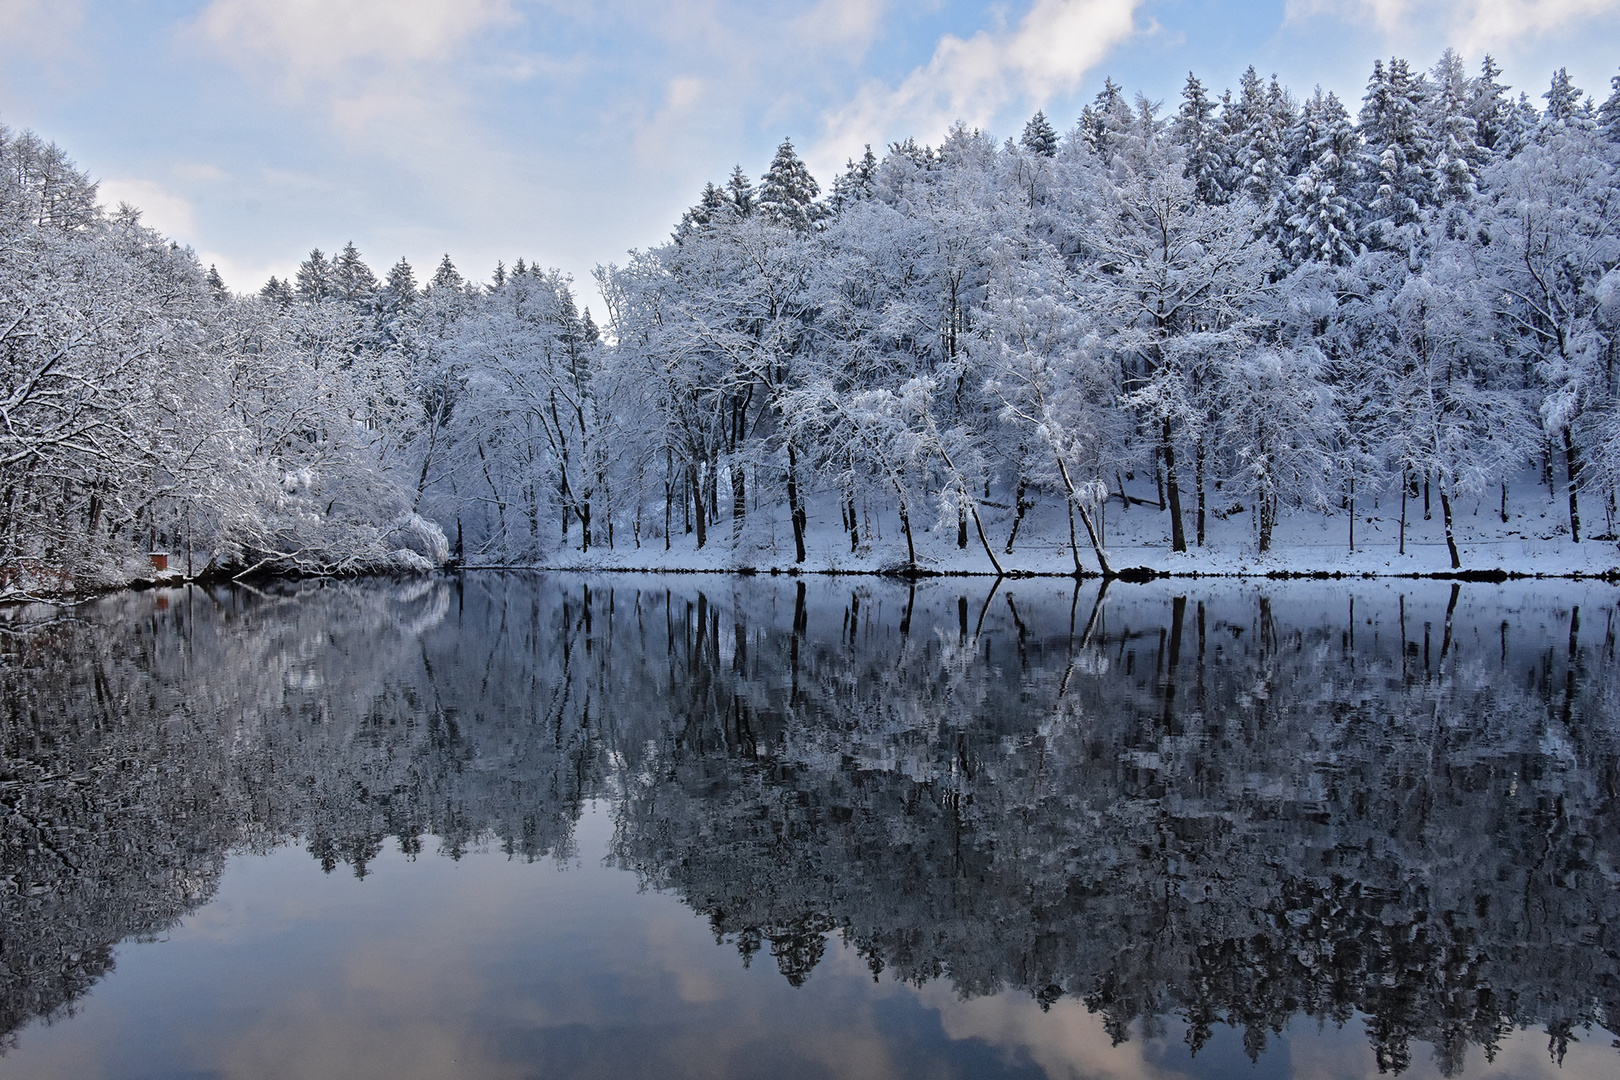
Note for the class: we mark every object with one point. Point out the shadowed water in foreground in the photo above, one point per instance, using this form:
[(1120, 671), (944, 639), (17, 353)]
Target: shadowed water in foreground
[(519, 825)]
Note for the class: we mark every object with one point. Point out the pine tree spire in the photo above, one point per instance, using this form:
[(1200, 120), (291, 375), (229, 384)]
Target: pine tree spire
[(314, 278), (446, 276), (740, 192), (787, 192), (1040, 137)]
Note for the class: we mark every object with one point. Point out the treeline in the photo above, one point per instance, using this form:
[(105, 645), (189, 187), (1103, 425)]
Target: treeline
[(1251, 293)]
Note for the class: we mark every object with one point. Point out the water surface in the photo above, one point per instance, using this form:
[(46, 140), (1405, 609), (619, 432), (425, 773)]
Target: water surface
[(526, 825)]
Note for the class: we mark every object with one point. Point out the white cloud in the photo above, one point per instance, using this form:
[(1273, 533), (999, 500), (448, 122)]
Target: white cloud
[(852, 24), (318, 38), (1470, 25), (1048, 53), (39, 25), (167, 213)]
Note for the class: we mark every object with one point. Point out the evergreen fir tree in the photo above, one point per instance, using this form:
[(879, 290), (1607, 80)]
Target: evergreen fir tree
[(277, 292), (1458, 157), (1563, 99), (399, 289), (711, 204), (1040, 137), (446, 276), (1399, 174), (787, 192), (1263, 115), (352, 280), (216, 284), (740, 192), (1609, 112), (857, 182), (1104, 121), (1195, 128), (1318, 219), (498, 279), (1490, 107), (1320, 226), (314, 278)]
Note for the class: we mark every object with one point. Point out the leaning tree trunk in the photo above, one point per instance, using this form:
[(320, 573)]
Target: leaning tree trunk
[(1096, 542), (1445, 513)]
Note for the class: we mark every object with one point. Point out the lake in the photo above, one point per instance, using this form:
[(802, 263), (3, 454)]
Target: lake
[(522, 825)]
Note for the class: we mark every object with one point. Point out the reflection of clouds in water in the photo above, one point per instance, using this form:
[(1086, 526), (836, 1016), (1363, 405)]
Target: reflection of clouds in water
[(318, 1045), (1067, 1041), (1343, 1054)]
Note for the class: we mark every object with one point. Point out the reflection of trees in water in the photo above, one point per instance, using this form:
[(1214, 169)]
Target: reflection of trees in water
[(1234, 808)]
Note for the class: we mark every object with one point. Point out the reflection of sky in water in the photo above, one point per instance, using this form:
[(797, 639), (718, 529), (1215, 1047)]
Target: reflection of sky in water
[(492, 968)]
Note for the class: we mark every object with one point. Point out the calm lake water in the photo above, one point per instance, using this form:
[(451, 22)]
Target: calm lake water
[(536, 826)]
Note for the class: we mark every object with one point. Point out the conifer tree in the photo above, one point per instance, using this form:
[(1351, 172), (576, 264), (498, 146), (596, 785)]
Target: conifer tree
[(1491, 108), (711, 204), (858, 181), (787, 192), (314, 278), (1609, 112), (1563, 99), (216, 284), (740, 192), (1040, 137), (446, 276), (1458, 156), (1399, 178), (1318, 215), (277, 292), (1103, 122), (399, 289), (1197, 130), (352, 280)]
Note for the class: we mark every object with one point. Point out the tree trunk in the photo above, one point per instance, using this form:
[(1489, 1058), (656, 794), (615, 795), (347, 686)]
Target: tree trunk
[(1021, 506), (1451, 539), (1572, 463), (1267, 511), (961, 528), (979, 525), (1352, 514), (1178, 535), (1403, 511), (795, 511), (1085, 518), (739, 500), (1198, 471), (905, 527), (696, 484)]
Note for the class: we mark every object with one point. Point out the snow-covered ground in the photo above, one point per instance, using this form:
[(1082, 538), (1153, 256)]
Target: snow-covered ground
[(1534, 540)]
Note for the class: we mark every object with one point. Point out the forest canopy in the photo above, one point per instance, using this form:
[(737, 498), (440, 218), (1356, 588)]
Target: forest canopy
[(1273, 295)]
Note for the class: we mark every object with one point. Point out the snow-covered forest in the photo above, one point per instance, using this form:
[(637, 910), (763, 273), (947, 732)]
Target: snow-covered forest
[(1249, 304)]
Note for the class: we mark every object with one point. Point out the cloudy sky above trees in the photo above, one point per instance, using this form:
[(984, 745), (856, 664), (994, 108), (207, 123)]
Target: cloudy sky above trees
[(567, 133)]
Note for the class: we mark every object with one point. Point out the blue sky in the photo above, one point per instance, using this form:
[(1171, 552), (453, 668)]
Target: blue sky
[(567, 133)]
